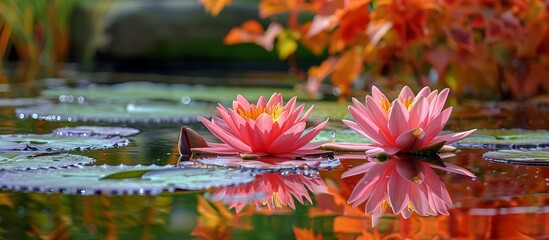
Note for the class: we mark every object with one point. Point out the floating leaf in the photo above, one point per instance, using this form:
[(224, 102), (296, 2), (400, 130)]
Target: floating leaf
[(273, 163), (96, 130), (51, 142), (341, 135), (16, 102), (142, 113), (25, 160), (506, 139), (186, 94), (332, 110), (91, 180), (538, 157)]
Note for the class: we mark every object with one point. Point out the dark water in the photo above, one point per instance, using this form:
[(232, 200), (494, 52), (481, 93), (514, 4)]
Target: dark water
[(503, 202)]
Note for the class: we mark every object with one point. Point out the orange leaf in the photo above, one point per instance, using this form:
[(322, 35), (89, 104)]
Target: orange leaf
[(214, 7), (268, 8), (347, 69), (252, 32), (354, 21), (316, 43)]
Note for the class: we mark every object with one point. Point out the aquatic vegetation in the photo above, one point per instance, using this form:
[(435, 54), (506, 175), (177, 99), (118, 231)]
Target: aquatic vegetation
[(96, 130), (273, 190), (56, 142), (506, 139), (537, 157), (267, 128), (33, 160), (120, 180), (410, 123), (403, 184)]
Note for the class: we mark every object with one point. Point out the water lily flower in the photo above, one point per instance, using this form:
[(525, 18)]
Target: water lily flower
[(410, 123), (273, 190), (267, 128), (403, 184)]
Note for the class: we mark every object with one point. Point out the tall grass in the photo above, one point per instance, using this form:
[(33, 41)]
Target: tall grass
[(37, 30)]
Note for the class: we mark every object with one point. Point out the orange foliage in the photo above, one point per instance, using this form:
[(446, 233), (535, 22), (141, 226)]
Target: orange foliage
[(468, 45), (214, 7)]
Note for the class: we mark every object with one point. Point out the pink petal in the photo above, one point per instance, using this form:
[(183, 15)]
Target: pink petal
[(280, 144), (398, 119), (262, 132), (355, 127), (405, 93), (424, 92), (276, 99), (377, 95), (261, 102), (307, 137), (224, 136), (453, 137), (379, 195), (439, 102), (370, 128), (378, 115), (419, 113), (241, 101), (435, 126), (409, 138)]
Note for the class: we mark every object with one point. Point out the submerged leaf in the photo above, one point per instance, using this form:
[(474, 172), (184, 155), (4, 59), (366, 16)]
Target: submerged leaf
[(26, 160), (539, 157), (120, 180), (506, 139)]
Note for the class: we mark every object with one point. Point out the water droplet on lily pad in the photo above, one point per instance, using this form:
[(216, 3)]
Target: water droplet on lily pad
[(537, 157), (34, 160), (506, 139), (140, 180), (96, 130), (52, 142)]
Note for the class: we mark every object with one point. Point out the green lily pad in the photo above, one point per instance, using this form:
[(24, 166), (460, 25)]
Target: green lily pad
[(95, 130), (137, 91), (341, 135), (52, 142), (16, 102), (26, 161), (506, 139), (115, 113), (538, 157), (91, 180)]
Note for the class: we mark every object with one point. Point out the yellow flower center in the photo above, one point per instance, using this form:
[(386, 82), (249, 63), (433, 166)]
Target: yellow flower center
[(254, 111), (408, 102), (385, 104)]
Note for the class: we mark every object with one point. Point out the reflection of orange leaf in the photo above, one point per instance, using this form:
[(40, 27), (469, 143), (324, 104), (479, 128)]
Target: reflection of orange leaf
[(5, 200), (252, 32), (347, 69), (305, 234), (215, 223), (215, 6)]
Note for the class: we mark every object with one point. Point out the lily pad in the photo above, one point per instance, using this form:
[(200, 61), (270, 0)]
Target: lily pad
[(26, 161), (91, 180), (332, 110), (506, 139), (96, 130), (273, 163), (136, 91), (16, 102), (51, 142), (341, 135), (537, 157), (115, 113)]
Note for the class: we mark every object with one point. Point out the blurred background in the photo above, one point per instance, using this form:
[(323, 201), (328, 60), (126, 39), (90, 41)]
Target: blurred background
[(482, 49)]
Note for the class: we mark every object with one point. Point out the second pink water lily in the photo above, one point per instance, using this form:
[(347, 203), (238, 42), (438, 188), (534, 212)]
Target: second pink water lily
[(267, 128), (408, 123)]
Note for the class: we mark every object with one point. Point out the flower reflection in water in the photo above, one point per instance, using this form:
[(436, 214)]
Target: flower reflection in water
[(274, 190), (403, 183)]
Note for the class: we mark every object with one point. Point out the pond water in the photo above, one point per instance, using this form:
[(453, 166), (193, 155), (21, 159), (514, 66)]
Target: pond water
[(502, 202)]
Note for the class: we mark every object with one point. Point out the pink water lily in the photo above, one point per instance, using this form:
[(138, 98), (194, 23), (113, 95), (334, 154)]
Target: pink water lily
[(408, 123), (267, 128), (405, 185), (271, 189)]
